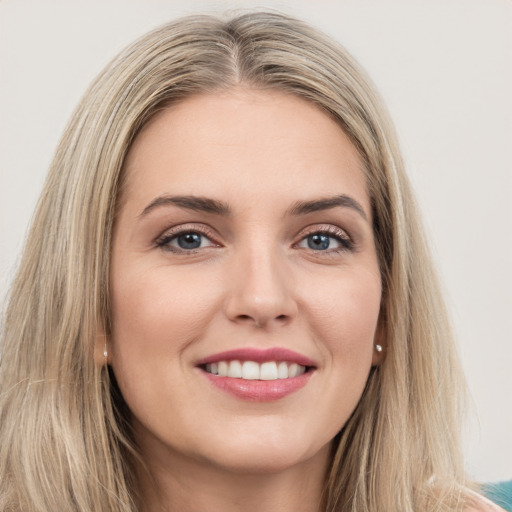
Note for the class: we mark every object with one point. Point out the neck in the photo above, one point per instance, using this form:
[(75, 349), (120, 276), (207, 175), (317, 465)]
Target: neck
[(174, 482)]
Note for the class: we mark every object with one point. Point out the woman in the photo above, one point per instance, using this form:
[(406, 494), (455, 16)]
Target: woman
[(225, 301)]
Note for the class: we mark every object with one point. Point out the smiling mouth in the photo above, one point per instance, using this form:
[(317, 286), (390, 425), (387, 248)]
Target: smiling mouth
[(251, 370), (260, 375)]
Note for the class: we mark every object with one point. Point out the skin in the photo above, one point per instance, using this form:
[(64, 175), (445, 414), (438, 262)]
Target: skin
[(254, 282)]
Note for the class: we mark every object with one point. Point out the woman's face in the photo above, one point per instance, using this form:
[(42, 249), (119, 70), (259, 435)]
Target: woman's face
[(245, 283)]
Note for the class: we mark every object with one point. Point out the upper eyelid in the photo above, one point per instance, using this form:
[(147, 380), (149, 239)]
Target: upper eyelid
[(329, 229), (187, 228)]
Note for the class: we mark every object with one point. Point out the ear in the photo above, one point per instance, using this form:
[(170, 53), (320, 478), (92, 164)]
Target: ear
[(379, 341), (100, 350)]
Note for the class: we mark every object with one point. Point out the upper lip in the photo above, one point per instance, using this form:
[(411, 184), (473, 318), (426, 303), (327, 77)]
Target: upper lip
[(257, 355)]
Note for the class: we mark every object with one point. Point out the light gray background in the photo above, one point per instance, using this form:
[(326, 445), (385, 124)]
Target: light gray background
[(444, 68)]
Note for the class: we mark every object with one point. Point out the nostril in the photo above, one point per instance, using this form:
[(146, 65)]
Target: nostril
[(261, 321)]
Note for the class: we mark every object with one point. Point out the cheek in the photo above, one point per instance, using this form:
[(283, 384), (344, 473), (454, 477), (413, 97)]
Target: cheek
[(156, 312), (342, 320), (344, 315)]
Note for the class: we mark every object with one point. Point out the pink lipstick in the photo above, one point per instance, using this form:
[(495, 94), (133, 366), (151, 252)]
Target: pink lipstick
[(257, 375), (259, 356)]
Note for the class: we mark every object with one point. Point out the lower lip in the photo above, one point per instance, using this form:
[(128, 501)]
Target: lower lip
[(259, 390)]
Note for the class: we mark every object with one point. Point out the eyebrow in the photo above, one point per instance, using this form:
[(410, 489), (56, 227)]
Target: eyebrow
[(195, 203), (205, 204), (304, 207)]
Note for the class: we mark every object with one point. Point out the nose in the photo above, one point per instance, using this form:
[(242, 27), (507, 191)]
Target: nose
[(260, 290)]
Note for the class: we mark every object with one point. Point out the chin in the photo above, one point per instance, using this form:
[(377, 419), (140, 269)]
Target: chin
[(267, 453), (261, 463)]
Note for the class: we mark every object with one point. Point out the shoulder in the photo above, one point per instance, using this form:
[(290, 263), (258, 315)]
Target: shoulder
[(482, 504)]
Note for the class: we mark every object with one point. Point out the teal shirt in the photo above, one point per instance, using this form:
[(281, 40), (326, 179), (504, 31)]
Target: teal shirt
[(500, 493)]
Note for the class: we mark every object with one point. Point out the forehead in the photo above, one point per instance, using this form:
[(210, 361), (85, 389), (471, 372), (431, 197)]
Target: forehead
[(244, 142)]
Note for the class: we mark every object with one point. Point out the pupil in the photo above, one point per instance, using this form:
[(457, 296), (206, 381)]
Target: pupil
[(318, 242), (189, 241)]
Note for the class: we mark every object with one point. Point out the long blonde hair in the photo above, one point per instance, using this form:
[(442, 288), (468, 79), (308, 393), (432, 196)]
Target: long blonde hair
[(64, 429)]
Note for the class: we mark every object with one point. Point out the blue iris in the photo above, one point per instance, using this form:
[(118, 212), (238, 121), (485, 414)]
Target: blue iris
[(319, 242), (189, 241)]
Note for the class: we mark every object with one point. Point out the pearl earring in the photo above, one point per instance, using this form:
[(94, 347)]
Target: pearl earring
[(378, 348), (105, 352)]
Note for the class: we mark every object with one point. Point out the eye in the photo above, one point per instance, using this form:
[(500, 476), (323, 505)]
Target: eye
[(331, 240), (184, 241)]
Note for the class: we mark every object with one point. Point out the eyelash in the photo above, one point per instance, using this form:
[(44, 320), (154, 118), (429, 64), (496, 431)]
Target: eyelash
[(346, 243), (164, 241), (341, 236)]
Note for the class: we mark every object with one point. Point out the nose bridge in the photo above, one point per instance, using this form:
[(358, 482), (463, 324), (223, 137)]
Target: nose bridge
[(260, 288)]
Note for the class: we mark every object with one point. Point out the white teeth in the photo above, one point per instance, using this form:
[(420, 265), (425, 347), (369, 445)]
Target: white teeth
[(250, 370), (268, 371), (223, 369), (293, 370), (235, 369), (282, 370)]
